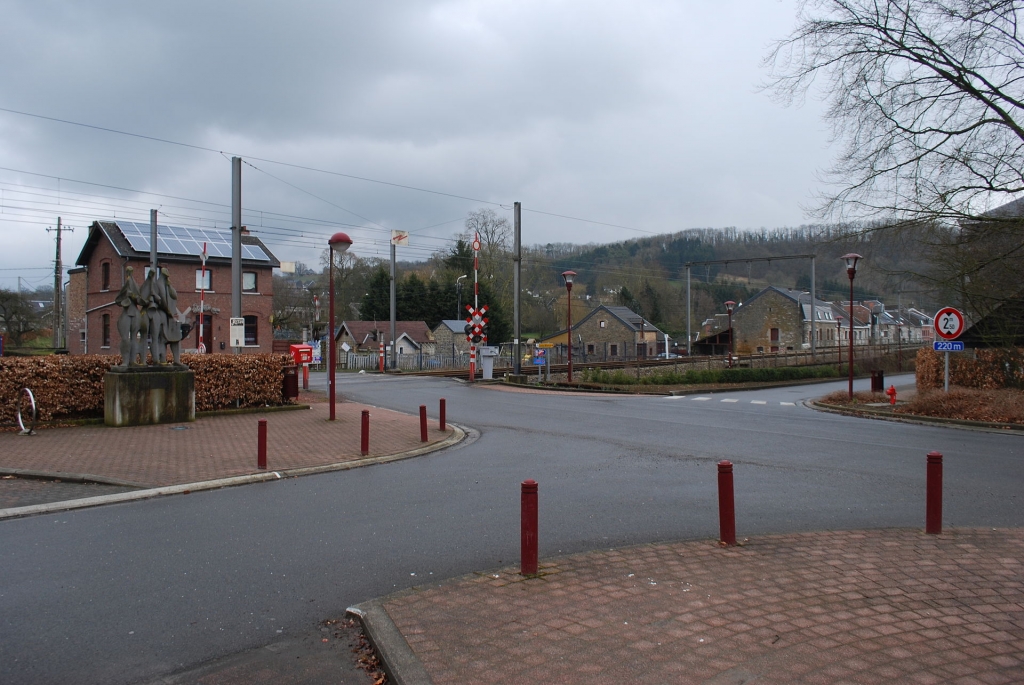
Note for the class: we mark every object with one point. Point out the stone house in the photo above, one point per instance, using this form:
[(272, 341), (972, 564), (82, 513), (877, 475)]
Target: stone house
[(112, 246), (612, 333), (450, 337), (779, 320)]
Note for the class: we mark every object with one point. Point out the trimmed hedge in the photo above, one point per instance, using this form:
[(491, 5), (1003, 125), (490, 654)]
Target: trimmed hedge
[(985, 369), (713, 376), (71, 386)]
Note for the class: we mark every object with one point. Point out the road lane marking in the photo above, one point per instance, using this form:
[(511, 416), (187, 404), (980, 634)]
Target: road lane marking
[(700, 399), (730, 400), (788, 404), (758, 402)]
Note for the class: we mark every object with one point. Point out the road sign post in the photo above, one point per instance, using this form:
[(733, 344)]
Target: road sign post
[(949, 324)]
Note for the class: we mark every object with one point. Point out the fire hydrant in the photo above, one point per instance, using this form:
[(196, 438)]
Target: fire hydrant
[(891, 392)]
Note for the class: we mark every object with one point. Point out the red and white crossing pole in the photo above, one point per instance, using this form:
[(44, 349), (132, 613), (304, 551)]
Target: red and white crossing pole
[(202, 303), (476, 303)]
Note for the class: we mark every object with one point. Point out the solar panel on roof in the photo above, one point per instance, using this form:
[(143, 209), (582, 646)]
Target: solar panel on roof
[(182, 240)]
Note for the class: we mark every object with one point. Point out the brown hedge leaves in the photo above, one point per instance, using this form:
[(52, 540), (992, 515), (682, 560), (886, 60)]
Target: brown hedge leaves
[(983, 369), (67, 386)]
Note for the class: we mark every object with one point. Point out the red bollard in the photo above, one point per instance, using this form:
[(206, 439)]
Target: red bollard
[(423, 423), (726, 503), (443, 427), (933, 503), (364, 437), (528, 528), (261, 445)]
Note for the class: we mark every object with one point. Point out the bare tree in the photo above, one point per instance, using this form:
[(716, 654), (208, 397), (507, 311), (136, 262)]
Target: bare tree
[(925, 96), (495, 252)]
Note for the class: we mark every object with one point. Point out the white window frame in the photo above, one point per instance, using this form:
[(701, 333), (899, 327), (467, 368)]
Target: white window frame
[(209, 280)]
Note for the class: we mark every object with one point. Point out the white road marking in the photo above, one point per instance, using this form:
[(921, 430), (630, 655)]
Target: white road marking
[(730, 400), (700, 399), (788, 404), (758, 402)]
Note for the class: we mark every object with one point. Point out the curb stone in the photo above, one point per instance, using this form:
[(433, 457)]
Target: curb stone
[(458, 435), (396, 656), (71, 477)]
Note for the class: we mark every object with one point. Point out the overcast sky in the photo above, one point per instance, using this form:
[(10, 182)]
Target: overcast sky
[(641, 114)]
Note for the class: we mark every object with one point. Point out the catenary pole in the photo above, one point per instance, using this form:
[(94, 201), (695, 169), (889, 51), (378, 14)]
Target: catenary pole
[(689, 337), (236, 239), (394, 348), (152, 241), (517, 256), (57, 269), (814, 317)]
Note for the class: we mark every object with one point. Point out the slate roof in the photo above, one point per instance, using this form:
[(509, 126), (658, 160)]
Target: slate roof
[(454, 325), (1011, 210), (627, 316)]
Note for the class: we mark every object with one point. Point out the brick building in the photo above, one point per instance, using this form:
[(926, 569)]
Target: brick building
[(112, 246), (612, 333)]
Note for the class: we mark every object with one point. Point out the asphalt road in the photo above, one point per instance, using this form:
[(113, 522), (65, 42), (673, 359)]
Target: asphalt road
[(125, 593)]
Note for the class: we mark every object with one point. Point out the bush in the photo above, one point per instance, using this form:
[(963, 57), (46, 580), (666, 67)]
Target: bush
[(985, 369), (712, 376), (71, 386), (1001, 406)]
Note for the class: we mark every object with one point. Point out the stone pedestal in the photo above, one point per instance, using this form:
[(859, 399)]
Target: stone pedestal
[(146, 395)]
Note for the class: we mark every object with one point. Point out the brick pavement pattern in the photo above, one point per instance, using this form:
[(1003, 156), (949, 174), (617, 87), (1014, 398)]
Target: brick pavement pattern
[(888, 606), (215, 447)]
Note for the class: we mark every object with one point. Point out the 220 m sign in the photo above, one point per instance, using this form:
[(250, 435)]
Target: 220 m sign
[(948, 346)]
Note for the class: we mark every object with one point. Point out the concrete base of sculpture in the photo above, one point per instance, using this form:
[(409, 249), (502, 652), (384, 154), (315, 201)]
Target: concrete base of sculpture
[(146, 395)]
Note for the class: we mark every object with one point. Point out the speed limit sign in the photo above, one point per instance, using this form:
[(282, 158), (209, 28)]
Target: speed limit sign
[(949, 323)]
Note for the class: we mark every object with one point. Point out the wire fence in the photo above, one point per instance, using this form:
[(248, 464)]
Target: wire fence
[(558, 356)]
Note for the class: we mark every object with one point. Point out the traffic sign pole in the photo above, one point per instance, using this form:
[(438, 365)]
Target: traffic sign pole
[(945, 375), (949, 324)]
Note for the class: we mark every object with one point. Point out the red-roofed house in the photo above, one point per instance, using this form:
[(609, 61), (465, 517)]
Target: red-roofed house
[(366, 336)]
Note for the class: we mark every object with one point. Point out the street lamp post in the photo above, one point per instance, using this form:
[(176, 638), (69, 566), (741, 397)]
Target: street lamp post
[(340, 242), (851, 271), (458, 291), (568, 277), (732, 345)]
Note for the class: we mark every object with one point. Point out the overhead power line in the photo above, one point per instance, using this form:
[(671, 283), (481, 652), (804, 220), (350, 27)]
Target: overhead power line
[(316, 170), (245, 156)]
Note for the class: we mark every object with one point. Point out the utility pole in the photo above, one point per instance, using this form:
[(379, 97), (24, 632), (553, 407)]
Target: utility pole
[(236, 239), (814, 318), (517, 257), (58, 305)]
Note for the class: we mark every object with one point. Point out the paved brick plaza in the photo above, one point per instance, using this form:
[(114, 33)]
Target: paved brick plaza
[(214, 447), (835, 607)]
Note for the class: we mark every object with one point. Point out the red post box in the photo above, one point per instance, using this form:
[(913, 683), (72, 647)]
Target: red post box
[(302, 354)]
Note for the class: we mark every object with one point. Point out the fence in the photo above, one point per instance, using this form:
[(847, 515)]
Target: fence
[(558, 356)]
